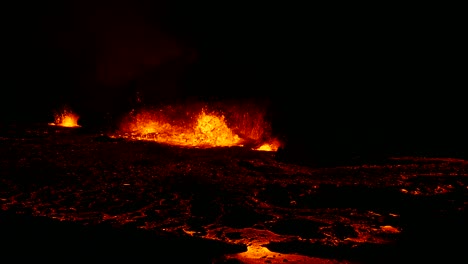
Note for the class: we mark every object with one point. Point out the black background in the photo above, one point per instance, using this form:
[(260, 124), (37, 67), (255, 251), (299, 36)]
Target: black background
[(341, 77)]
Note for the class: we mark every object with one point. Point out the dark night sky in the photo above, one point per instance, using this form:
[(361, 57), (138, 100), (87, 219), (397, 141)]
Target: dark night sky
[(349, 71)]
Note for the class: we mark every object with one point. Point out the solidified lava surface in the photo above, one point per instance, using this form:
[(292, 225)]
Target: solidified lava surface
[(68, 192)]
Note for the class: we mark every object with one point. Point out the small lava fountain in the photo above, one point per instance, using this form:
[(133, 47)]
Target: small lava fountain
[(65, 118)]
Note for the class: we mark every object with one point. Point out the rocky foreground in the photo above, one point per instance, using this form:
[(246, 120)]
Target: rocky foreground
[(71, 194)]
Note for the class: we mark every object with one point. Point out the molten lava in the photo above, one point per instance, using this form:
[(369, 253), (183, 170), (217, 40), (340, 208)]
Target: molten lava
[(271, 146), (205, 129), (209, 130), (65, 118)]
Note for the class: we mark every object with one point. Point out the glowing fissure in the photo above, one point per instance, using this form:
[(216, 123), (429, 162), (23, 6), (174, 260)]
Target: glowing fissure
[(209, 129)]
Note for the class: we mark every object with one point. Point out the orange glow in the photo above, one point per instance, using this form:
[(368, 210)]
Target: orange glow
[(65, 118), (271, 146), (389, 229), (202, 128)]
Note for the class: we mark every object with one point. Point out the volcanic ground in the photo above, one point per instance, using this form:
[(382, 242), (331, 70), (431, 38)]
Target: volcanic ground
[(75, 194)]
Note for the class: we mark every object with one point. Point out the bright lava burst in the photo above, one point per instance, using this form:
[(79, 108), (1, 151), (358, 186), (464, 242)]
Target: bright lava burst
[(65, 118), (205, 129)]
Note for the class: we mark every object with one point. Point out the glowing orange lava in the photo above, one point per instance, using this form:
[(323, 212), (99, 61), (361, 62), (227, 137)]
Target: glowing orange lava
[(205, 129), (272, 146), (65, 118)]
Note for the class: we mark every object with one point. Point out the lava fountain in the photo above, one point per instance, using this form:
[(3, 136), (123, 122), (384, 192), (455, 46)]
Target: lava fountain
[(202, 128), (65, 118)]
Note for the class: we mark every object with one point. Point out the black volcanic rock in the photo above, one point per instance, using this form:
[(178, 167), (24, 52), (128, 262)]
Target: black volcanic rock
[(41, 238), (242, 216), (301, 227), (64, 195)]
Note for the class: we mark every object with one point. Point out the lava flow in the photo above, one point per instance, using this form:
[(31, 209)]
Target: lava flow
[(65, 118), (204, 129)]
